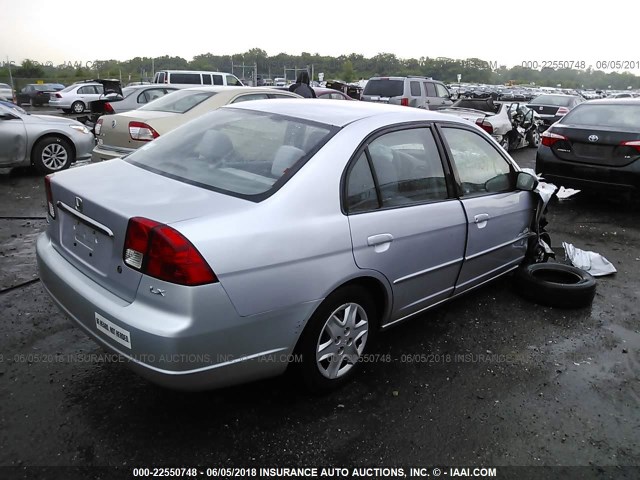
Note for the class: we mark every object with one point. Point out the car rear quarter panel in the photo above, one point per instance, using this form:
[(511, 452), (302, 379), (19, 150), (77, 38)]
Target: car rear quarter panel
[(291, 248)]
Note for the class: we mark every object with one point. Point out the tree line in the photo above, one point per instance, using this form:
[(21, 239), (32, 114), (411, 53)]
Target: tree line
[(347, 68)]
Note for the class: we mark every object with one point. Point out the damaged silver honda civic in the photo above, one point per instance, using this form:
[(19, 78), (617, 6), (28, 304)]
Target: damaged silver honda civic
[(280, 233)]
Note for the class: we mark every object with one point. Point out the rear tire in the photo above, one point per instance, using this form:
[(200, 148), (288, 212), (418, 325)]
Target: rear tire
[(52, 154), (336, 337), (77, 107), (555, 285), (66, 110)]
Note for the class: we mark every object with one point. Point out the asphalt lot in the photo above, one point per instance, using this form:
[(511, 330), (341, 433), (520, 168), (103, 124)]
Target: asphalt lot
[(489, 379)]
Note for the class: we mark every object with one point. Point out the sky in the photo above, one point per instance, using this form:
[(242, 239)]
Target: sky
[(508, 33)]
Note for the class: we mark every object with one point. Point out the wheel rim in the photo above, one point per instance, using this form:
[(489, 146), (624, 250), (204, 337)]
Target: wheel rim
[(54, 156), (78, 107), (536, 138), (342, 340)]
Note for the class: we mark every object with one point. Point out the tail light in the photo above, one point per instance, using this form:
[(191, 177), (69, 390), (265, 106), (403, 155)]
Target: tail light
[(108, 108), (486, 126), (404, 102), (549, 138), (633, 144), (160, 251), (47, 188), (98, 128), (58, 95), (562, 111), (142, 132)]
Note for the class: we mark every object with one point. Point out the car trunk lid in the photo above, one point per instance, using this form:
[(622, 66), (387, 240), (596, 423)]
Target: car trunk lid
[(115, 128), (92, 216), (604, 146)]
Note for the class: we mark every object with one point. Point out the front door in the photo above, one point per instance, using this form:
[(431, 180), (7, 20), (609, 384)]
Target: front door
[(498, 215)]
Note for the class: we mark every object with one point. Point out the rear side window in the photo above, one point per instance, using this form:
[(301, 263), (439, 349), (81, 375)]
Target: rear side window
[(415, 89), (180, 101), (240, 152), (481, 169), (217, 80), (189, 78), (384, 87), (407, 167), (594, 115)]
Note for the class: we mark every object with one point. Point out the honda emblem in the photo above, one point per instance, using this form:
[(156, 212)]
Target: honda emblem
[(79, 204)]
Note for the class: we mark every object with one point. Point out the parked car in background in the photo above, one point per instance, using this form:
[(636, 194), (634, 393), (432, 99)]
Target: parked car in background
[(77, 97), (596, 146), (331, 94), (48, 143), (419, 92), (203, 242), (121, 134), (35, 94), (195, 77), (6, 91), (552, 107), (136, 96)]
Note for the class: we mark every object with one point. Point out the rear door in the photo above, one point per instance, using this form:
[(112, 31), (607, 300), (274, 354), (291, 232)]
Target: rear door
[(403, 222), (498, 215)]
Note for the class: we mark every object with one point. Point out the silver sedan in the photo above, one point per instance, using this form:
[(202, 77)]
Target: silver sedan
[(280, 233), (48, 143)]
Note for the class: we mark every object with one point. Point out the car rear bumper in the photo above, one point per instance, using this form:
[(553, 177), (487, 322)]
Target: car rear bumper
[(195, 341), (103, 152), (587, 176)]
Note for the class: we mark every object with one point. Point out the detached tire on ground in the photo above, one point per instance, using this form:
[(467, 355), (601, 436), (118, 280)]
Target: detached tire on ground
[(555, 285), (335, 339)]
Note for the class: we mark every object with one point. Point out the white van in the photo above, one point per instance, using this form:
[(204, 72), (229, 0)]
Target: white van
[(192, 77)]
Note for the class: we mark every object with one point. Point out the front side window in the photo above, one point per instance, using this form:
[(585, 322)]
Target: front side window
[(244, 153), (231, 80), (481, 168), (442, 91)]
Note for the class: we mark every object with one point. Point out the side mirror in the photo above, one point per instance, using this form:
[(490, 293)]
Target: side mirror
[(527, 182)]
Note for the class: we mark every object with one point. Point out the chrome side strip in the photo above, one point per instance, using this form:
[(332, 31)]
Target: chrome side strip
[(497, 247), (83, 218), (428, 270), (387, 325)]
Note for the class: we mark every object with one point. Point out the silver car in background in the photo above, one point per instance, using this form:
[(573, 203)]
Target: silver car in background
[(136, 96), (48, 143), (279, 233)]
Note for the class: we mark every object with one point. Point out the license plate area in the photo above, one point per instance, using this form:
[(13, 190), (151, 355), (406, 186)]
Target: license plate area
[(86, 243)]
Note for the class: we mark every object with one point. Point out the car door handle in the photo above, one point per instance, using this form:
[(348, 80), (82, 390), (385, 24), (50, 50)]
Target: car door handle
[(481, 219), (379, 239)]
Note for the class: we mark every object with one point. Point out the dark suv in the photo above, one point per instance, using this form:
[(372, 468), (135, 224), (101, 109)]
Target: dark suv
[(419, 92)]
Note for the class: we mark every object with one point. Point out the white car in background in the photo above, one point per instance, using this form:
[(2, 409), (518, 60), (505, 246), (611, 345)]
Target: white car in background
[(6, 91), (77, 97)]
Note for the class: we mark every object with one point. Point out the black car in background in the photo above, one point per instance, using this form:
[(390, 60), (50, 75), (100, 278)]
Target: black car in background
[(36, 94), (596, 146), (552, 107)]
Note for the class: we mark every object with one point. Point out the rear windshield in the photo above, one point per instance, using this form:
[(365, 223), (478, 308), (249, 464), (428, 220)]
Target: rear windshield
[(556, 100), (594, 115), (239, 152), (180, 101), (384, 88)]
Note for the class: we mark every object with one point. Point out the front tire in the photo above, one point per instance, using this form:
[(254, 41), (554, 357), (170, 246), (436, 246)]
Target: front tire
[(77, 107), (52, 154), (335, 339), (533, 138)]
